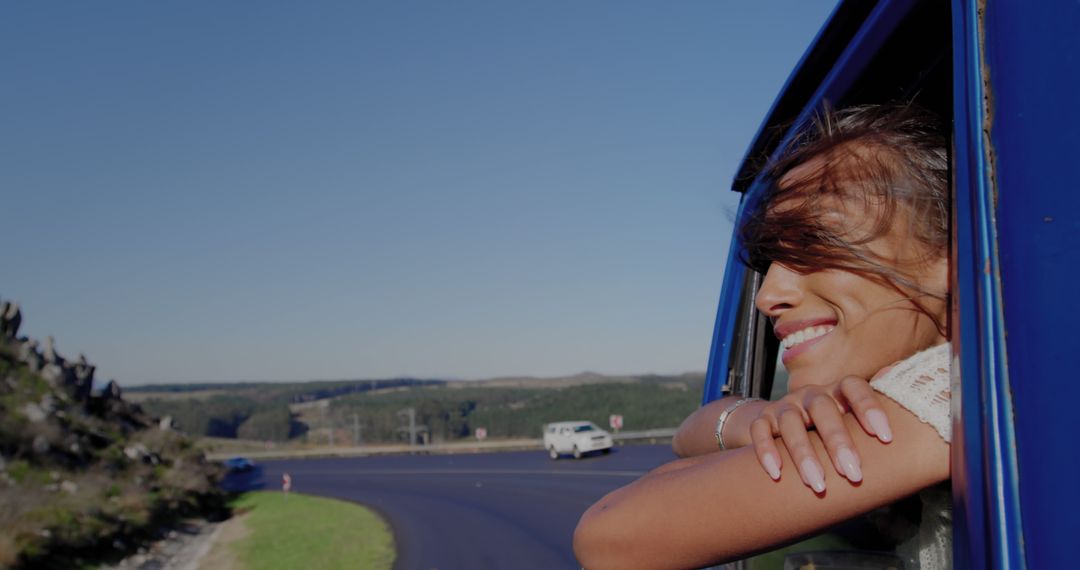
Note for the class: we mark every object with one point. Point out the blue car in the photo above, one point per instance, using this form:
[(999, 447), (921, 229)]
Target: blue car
[(239, 464), (1008, 75)]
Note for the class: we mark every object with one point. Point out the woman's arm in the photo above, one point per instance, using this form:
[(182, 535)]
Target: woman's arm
[(722, 506), (697, 433), (758, 422)]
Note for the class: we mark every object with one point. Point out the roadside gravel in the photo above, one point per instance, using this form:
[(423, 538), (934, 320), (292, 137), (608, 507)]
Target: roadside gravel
[(182, 548)]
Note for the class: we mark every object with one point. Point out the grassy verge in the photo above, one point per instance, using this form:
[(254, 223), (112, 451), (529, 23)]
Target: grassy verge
[(310, 532)]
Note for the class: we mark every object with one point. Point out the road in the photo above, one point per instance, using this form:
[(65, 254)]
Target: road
[(472, 511)]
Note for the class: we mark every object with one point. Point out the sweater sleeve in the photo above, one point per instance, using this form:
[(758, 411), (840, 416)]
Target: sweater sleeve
[(921, 384)]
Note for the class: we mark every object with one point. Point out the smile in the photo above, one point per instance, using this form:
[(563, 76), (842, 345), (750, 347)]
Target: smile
[(809, 333)]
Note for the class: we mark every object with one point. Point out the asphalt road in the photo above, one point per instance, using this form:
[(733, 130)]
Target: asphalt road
[(475, 511)]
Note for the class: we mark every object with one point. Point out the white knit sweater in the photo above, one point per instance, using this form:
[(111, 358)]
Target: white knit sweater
[(921, 384)]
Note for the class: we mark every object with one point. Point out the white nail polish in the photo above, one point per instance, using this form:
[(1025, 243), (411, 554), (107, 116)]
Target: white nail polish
[(850, 464), (880, 423), (815, 478), (772, 466)]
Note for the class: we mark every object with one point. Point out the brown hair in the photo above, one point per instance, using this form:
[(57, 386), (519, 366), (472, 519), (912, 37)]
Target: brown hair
[(890, 157)]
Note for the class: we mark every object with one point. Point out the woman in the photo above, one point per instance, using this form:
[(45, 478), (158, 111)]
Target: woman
[(853, 240)]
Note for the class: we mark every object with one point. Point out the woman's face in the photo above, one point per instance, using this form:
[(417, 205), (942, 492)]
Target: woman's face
[(834, 323)]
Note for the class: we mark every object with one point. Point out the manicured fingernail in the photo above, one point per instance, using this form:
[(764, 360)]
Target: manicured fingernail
[(850, 463), (772, 466), (813, 475), (880, 423)]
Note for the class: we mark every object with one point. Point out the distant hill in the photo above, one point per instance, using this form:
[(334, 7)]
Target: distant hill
[(575, 380), (367, 411), (292, 392), (309, 390)]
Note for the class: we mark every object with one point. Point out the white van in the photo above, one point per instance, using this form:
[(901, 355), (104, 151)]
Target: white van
[(577, 438)]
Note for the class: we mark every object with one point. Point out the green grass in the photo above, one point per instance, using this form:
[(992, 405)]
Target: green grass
[(311, 532)]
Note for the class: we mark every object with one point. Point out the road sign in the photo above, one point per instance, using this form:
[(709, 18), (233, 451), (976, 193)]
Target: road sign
[(481, 433), (615, 421)]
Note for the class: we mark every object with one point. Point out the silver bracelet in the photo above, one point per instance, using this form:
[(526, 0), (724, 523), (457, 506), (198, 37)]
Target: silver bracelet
[(724, 415)]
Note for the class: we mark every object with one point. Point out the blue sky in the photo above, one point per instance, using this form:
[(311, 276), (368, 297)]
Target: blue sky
[(217, 191)]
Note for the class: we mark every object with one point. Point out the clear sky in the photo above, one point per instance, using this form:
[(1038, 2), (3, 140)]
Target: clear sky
[(218, 191)]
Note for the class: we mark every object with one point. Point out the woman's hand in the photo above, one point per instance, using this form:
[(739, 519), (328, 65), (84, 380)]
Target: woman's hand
[(820, 407)]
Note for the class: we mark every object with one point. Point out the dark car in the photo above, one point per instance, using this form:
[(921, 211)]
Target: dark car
[(239, 464)]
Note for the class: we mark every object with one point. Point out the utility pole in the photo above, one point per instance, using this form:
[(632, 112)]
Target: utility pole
[(411, 412), (328, 423)]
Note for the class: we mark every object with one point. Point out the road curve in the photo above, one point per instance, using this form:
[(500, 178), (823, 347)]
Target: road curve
[(473, 511)]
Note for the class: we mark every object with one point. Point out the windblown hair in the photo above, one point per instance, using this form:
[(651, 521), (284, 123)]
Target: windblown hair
[(890, 158)]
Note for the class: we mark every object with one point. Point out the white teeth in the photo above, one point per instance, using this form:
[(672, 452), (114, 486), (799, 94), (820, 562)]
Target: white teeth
[(809, 333)]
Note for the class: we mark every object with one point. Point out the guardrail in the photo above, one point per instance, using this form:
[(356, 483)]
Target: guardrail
[(654, 434), (643, 436)]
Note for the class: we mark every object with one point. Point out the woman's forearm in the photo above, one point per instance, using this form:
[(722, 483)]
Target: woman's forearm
[(720, 506), (697, 434)]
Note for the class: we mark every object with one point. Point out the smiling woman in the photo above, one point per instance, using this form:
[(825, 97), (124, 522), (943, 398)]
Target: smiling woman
[(1011, 273), (851, 238), (852, 242)]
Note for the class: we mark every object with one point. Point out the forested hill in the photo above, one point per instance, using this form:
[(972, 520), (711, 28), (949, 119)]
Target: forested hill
[(292, 392), (370, 411)]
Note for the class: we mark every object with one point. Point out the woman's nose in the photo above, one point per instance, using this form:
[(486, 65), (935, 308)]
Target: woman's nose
[(779, 292)]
